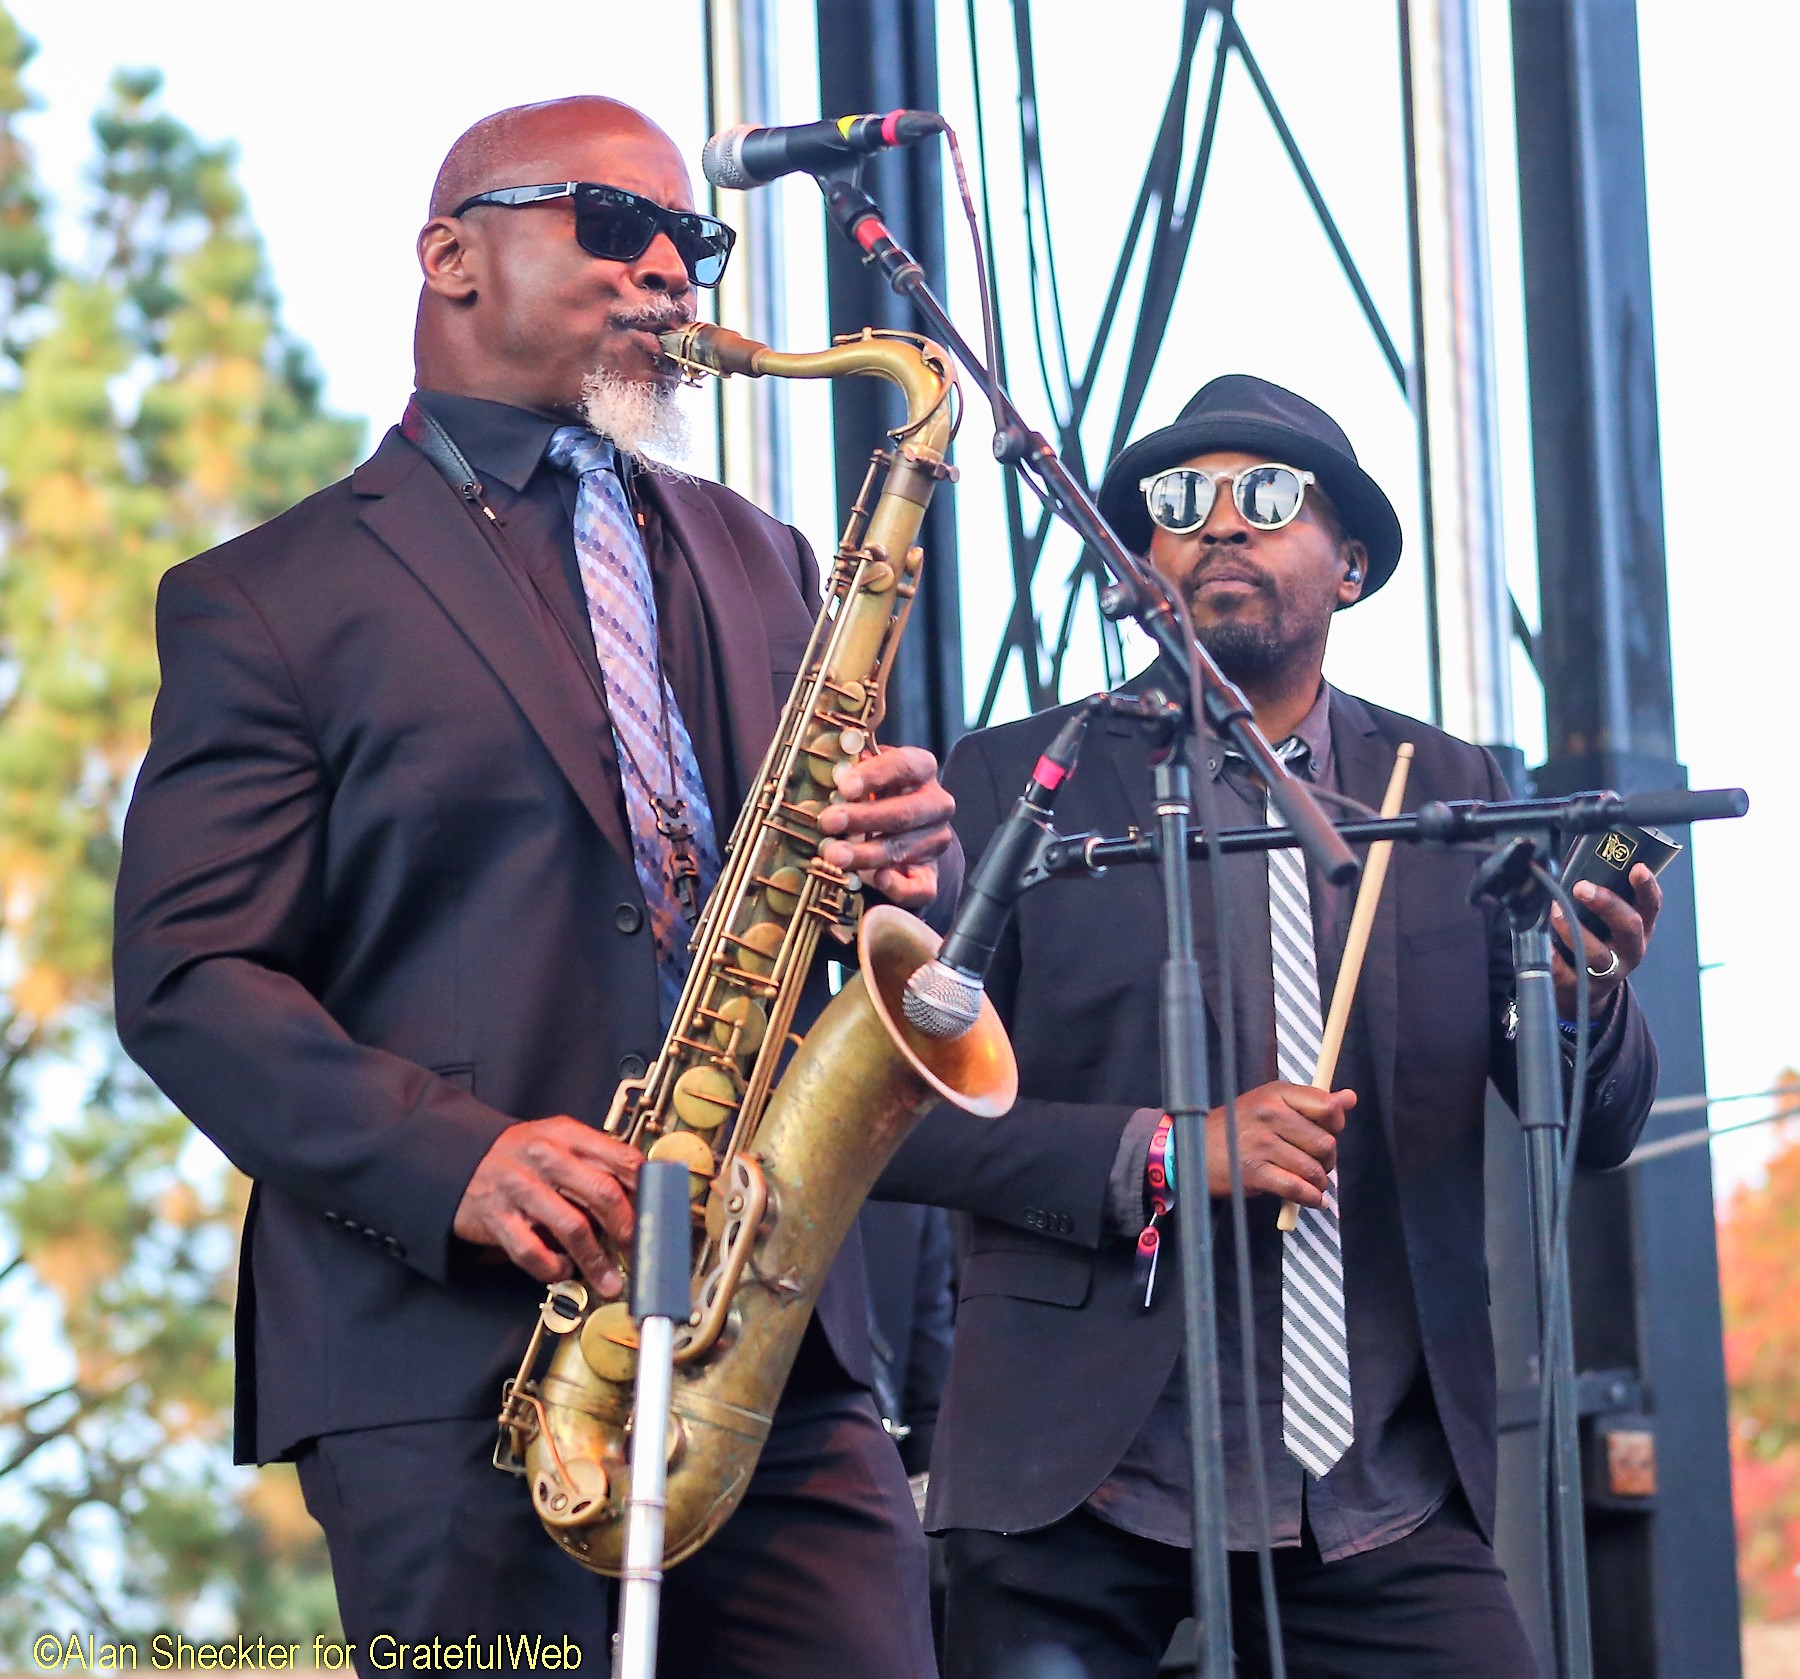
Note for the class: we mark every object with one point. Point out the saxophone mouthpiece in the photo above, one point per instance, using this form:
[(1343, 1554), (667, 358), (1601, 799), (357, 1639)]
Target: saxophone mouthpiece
[(701, 347)]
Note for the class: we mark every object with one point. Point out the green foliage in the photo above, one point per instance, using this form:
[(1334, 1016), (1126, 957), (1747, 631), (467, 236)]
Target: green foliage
[(26, 265), (155, 405)]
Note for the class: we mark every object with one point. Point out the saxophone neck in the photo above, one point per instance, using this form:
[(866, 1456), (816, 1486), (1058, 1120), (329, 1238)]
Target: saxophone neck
[(919, 367)]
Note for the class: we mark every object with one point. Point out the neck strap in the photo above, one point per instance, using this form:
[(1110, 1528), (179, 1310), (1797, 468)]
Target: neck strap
[(423, 430)]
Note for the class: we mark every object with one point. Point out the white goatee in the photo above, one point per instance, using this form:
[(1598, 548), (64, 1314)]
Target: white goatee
[(644, 419)]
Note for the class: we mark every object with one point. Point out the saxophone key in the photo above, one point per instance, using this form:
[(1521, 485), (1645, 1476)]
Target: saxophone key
[(821, 751), (573, 1497), (758, 946), (739, 1025), (609, 1341), (693, 1152), (563, 1306), (705, 1096), (783, 888), (804, 810)]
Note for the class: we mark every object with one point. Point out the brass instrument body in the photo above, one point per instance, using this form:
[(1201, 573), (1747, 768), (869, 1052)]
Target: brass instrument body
[(781, 1152)]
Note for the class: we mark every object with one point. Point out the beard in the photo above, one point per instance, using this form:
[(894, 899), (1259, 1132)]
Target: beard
[(1245, 650), (644, 419)]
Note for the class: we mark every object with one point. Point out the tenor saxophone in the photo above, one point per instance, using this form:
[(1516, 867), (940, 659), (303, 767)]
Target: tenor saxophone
[(782, 1136)]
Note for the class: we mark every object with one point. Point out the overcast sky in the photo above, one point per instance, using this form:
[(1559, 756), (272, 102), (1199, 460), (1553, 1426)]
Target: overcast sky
[(341, 112)]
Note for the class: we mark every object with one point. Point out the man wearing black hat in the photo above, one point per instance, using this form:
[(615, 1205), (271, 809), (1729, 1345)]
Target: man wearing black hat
[(1060, 1473)]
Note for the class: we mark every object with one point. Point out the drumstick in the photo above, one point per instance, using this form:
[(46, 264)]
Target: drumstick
[(1362, 919)]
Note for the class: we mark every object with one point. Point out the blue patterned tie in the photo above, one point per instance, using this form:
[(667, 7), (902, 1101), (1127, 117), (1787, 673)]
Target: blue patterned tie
[(647, 724)]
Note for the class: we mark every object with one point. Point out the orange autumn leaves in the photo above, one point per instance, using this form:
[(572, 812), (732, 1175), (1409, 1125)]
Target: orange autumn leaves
[(1759, 1281)]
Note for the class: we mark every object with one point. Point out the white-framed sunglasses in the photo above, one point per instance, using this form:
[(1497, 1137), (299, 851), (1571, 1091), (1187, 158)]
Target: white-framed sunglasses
[(1269, 495)]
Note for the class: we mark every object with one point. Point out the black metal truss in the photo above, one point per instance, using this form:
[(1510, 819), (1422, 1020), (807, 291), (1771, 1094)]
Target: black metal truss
[(1161, 231)]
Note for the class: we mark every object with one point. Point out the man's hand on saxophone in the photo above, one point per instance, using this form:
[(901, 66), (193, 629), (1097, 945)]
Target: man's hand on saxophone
[(894, 801), (546, 1193)]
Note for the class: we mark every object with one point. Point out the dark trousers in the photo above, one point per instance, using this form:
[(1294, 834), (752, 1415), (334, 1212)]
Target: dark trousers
[(1083, 1600), (820, 1574)]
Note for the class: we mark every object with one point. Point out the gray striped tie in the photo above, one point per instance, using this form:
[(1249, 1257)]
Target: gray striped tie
[(1316, 1422)]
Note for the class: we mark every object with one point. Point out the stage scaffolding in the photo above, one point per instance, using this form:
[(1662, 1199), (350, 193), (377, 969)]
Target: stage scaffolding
[(1643, 1264)]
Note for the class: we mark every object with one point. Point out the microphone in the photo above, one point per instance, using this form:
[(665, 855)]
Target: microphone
[(744, 157), (943, 997)]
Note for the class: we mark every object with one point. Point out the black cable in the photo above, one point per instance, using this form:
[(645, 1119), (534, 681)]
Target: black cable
[(990, 343)]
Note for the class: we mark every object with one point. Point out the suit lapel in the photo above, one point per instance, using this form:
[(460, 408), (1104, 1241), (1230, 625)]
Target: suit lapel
[(1365, 760), (416, 515), (733, 613)]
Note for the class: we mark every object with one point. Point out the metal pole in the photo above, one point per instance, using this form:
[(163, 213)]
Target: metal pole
[(640, 1594), (1186, 1091), (1453, 373), (1665, 1602), (740, 87), (1541, 1115), (659, 1297), (877, 55)]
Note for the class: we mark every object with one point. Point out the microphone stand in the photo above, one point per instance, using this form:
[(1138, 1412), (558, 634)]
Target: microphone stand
[(1137, 592), (659, 1300), (1528, 836)]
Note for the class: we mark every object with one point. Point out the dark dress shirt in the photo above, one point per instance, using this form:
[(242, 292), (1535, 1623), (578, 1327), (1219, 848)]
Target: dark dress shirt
[(535, 504), (1398, 1469)]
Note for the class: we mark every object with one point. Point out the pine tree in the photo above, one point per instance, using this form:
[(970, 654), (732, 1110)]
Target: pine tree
[(117, 1224), (26, 265)]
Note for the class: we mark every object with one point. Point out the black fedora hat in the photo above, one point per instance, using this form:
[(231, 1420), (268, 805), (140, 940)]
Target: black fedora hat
[(1241, 412)]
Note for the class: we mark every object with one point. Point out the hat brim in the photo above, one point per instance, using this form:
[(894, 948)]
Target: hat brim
[(1363, 509)]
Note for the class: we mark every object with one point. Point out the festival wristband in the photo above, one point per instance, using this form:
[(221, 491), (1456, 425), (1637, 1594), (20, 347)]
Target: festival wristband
[(1159, 1191)]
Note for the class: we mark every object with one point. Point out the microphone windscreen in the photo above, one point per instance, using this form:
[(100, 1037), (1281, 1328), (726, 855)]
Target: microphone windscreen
[(942, 1002), (721, 160)]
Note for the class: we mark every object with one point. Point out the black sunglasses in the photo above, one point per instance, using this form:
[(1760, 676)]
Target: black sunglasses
[(619, 226)]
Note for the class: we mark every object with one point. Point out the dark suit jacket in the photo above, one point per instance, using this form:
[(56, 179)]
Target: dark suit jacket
[(910, 1259), (1055, 1368), (377, 901)]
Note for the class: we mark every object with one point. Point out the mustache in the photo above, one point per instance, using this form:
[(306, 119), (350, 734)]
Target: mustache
[(1235, 568), (653, 317)]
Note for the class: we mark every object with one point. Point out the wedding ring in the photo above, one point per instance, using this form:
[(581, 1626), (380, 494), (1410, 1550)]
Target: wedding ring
[(1609, 970)]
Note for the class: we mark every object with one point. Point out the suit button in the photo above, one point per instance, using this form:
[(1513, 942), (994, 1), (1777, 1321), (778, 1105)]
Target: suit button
[(332, 1218), (395, 1249), (1065, 1224), (628, 918), (632, 1066)]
